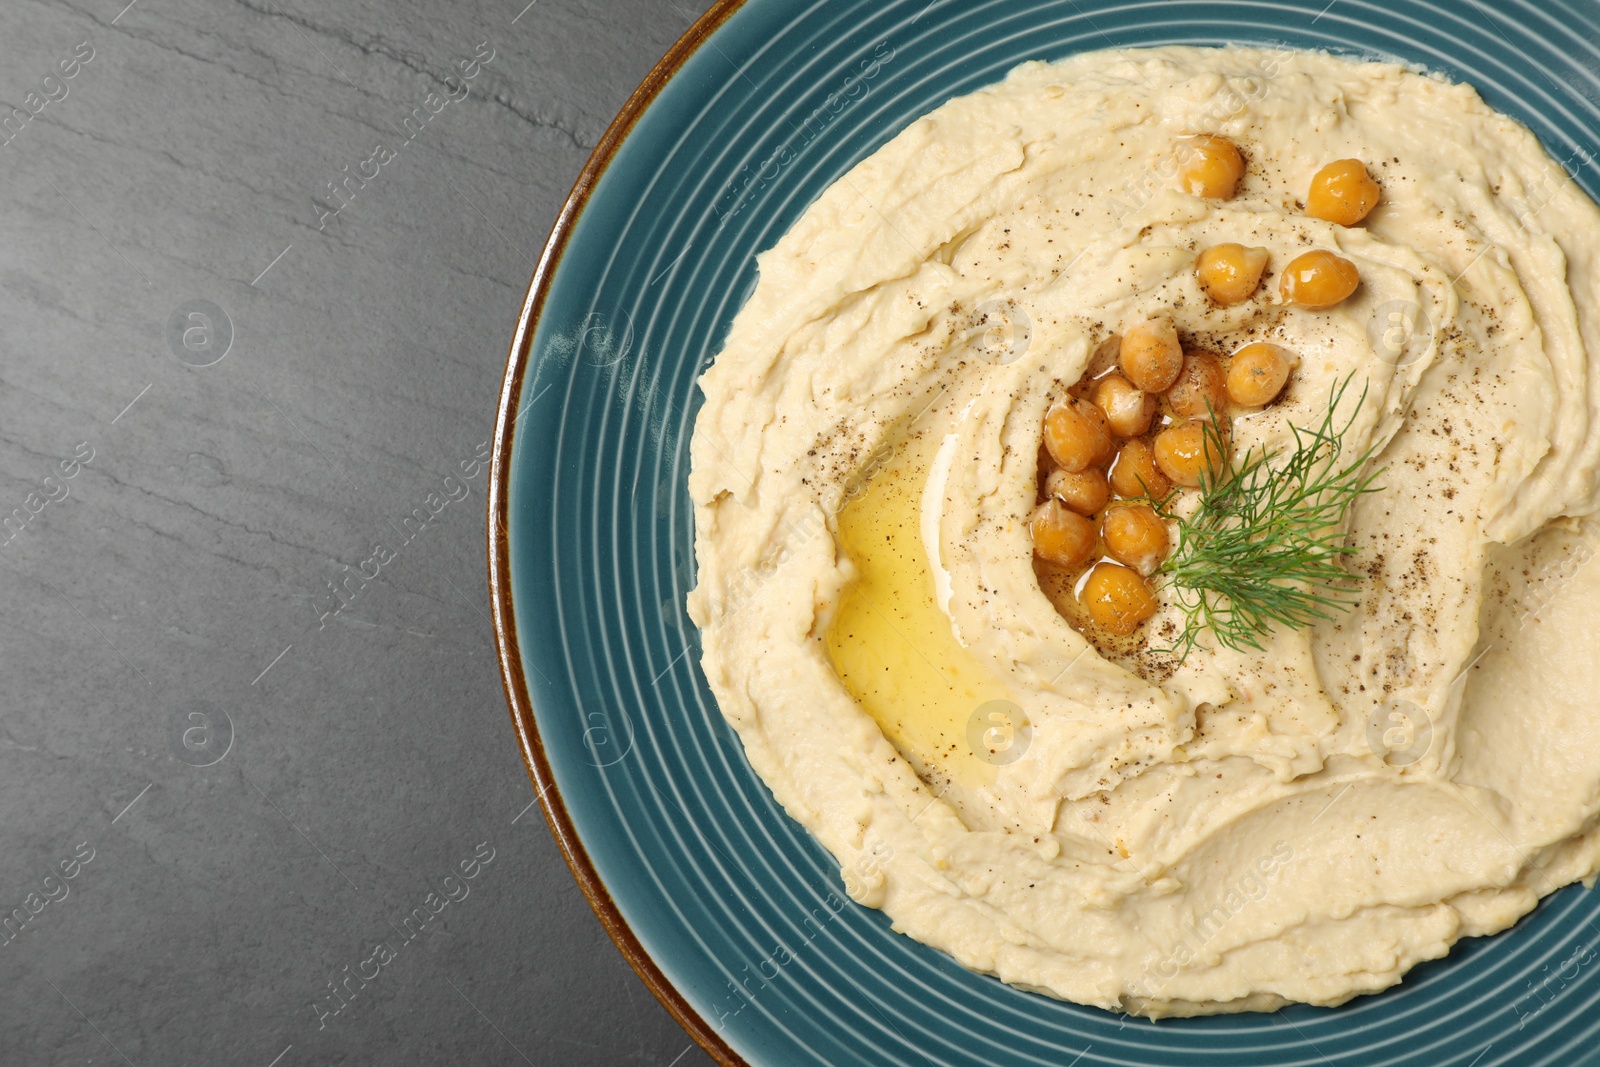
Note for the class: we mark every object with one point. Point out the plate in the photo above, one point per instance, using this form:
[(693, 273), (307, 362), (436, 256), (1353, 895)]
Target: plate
[(728, 910)]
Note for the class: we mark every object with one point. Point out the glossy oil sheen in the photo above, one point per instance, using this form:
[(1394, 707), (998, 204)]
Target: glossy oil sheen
[(742, 911), (889, 642)]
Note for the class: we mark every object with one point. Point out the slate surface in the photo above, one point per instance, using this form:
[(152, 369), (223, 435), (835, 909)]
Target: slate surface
[(221, 785)]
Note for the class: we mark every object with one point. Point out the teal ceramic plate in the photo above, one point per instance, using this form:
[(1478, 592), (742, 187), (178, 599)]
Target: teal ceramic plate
[(733, 915)]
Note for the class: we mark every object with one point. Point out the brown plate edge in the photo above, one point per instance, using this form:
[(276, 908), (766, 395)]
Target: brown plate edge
[(499, 552)]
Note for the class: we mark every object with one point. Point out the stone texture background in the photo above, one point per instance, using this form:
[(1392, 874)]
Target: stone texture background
[(267, 787)]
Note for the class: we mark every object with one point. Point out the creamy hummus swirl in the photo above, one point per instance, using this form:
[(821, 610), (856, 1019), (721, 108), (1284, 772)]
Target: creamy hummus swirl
[(1299, 824)]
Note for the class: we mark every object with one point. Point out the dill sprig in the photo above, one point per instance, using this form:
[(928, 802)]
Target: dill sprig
[(1265, 544)]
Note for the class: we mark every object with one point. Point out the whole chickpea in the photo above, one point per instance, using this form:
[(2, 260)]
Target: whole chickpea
[(1077, 434), (1085, 492), (1104, 357), (1135, 472), (1209, 166), (1318, 280), (1062, 537), (1150, 354), (1342, 192), (1257, 374), (1200, 391), (1230, 273), (1136, 535), (1117, 598), (1185, 451), (1128, 410)]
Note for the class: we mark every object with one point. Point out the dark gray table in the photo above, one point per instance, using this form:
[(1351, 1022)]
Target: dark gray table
[(259, 265)]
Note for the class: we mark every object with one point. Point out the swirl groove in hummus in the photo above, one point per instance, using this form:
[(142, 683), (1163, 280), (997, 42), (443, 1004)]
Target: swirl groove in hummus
[(1304, 823)]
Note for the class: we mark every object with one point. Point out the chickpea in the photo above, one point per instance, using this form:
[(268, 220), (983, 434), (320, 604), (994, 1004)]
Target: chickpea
[(1318, 279), (1342, 192), (1201, 389), (1062, 537), (1077, 435), (1257, 374), (1151, 355), (1128, 410), (1104, 357), (1117, 598), (1085, 492), (1209, 166), (1230, 273), (1137, 536), (1135, 472), (1187, 450)]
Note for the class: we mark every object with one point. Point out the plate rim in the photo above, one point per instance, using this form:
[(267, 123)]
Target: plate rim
[(502, 613)]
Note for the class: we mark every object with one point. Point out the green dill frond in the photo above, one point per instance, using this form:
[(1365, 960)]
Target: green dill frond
[(1265, 545)]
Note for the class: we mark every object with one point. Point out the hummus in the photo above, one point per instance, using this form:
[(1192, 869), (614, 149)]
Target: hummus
[(1303, 822)]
